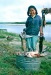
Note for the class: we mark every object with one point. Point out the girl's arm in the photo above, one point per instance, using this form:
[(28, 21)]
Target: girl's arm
[(41, 31)]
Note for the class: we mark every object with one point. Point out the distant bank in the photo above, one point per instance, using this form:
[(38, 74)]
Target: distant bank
[(18, 22), (12, 22)]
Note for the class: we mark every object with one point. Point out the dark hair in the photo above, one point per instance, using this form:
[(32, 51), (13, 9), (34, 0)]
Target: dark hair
[(30, 8)]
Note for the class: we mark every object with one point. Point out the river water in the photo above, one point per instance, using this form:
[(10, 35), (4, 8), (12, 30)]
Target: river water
[(18, 28)]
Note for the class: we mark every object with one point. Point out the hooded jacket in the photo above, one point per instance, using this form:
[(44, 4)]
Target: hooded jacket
[(33, 25)]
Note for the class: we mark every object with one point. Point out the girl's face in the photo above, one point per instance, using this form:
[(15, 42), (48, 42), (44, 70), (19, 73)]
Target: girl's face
[(32, 12)]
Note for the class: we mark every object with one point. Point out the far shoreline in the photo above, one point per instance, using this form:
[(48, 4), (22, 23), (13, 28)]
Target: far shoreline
[(19, 22)]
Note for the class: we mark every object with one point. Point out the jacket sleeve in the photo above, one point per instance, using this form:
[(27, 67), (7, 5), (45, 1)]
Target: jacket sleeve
[(27, 23)]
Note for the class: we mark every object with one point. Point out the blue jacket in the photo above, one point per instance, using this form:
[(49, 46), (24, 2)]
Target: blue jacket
[(33, 25)]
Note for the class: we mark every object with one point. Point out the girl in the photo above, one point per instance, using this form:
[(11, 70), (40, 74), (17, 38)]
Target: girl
[(33, 26)]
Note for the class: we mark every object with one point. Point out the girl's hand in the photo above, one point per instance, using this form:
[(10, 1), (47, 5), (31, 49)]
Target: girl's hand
[(44, 22), (41, 34)]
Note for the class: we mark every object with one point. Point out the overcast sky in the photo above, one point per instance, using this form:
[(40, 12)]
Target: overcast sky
[(16, 10)]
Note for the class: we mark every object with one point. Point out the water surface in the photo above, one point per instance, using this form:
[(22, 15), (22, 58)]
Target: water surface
[(18, 28)]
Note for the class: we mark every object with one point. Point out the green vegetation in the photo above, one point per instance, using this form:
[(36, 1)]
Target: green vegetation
[(5, 34), (8, 48), (48, 22)]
